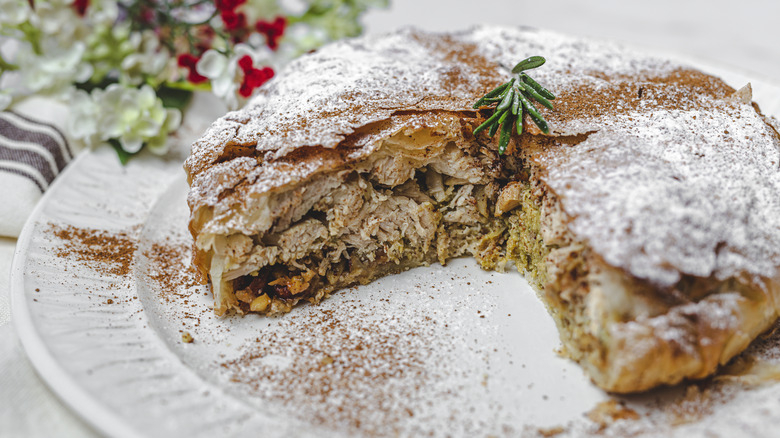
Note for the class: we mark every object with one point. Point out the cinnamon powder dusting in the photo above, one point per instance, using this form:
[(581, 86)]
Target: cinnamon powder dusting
[(620, 95), (372, 370), (339, 374), (174, 279), (105, 252), (171, 269)]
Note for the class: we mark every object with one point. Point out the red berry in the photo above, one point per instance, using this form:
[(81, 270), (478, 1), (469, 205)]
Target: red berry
[(228, 5), (253, 77), (245, 62), (190, 61), (233, 20), (245, 90), (272, 31), (81, 6), (186, 60)]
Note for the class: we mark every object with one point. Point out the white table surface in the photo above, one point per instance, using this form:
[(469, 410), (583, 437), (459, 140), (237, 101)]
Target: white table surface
[(744, 35)]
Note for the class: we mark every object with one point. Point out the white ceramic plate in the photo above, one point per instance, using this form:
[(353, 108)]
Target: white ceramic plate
[(439, 350)]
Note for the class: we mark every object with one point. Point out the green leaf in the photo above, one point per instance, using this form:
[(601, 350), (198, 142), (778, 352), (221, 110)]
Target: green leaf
[(516, 101), (494, 128), (520, 120), (174, 97), (529, 63), (538, 88), (535, 116), (506, 133), (122, 154), (493, 93), (506, 102), (498, 90), (540, 122), (532, 93), (487, 122)]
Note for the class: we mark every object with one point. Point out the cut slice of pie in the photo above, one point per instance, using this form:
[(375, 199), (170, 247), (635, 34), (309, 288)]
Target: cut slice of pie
[(648, 219)]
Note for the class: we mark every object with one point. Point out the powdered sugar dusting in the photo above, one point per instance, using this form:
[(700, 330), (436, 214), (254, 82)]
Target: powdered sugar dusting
[(665, 192), (570, 60)]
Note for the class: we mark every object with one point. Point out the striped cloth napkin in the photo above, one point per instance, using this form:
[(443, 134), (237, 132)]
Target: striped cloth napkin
[(32, 154)]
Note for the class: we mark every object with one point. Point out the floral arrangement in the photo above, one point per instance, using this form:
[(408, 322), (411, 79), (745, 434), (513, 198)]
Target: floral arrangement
[(127, 68)]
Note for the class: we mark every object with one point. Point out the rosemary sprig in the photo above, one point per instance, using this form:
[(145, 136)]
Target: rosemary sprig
[(513, 98)]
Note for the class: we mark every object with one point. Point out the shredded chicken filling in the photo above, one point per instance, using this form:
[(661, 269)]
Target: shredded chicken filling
[(361, 231), (394, 213)]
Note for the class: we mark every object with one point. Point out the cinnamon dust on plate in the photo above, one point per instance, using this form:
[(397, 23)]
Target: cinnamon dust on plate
[(103, 251), (174, 281), (170, 268), (337, 373)]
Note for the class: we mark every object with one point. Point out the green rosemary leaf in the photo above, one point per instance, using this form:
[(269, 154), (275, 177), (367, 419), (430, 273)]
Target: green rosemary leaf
[(507, 101), (498, 90), (541, 123), (503, 117), (529, 63), (515, 101), (529, 106), (495, 92), (487, 122), (534, 113), (519, 120), (539, 98), (494, 126), (506, 133), (538, 88)]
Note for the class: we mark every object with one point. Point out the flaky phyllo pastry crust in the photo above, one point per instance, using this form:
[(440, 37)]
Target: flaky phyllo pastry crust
[(648, 220)]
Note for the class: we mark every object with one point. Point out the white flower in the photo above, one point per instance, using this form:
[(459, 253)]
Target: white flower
[(146, 59), (84, 120), (60, 33), (13, 13), (58, 20), (102, 13), (107, 46), (132, 116), (159, 144), (54, 70), (224, 73)]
